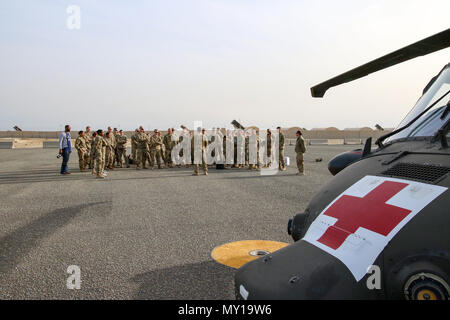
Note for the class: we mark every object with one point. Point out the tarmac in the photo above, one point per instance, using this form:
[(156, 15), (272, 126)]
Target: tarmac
[(144, 234)]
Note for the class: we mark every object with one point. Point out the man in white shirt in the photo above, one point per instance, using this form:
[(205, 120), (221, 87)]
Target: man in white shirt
[(65, 148)]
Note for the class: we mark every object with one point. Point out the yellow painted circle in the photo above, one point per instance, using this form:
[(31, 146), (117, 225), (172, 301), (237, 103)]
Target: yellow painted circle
[(236, 254), (426, 294)]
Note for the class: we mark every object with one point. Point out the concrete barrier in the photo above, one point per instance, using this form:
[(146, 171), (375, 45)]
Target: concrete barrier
[(6, 144), (50, 144), (335, 141), (325, 142), (353, 141), (314, 142)]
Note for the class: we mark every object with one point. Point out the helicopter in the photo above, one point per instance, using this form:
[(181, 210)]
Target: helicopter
[(379, 228)]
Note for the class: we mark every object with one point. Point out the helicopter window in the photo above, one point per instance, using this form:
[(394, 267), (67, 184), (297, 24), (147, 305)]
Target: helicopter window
[(430, 122)]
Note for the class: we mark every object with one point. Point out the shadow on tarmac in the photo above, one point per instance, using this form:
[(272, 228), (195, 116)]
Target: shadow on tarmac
[(198, 281), (18, 243)]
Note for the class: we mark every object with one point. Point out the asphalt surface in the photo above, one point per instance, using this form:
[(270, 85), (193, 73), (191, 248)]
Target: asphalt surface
[(144, 234)]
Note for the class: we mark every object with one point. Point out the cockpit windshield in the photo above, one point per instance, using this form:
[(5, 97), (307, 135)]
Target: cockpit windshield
[(433, 119)]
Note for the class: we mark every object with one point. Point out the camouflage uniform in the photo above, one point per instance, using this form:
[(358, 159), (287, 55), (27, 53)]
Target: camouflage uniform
[(225, 152), (99, 148), (281, 163), (134, 146), (80, 145), (156, 143), (247, 141), (213, 152), (235, 164), (240, 151), (122, 150), (178, 140), (204, 146), (109, 155), (143, 154), (192, 150), (110, 151), (92, 155), (258, 158), (116, 151), (268, 161), (169, 144), (181, 154), (104, 150), (88, 138), (300, 149)]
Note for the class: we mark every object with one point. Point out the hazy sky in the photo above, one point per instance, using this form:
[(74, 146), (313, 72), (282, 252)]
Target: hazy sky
[(165, 63)]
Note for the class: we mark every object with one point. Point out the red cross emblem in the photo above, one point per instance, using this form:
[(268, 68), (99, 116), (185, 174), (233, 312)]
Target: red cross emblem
[(370, 212)]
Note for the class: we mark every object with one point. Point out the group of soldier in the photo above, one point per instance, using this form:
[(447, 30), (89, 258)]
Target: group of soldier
[(101, 150)]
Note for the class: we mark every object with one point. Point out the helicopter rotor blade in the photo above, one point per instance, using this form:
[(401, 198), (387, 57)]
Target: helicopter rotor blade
[(423, 47)]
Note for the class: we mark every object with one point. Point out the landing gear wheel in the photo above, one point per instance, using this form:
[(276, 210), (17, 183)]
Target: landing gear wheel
[(426, 286)]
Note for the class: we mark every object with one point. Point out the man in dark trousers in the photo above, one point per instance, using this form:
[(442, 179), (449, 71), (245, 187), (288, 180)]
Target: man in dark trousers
[(65, 149), (300, 149)]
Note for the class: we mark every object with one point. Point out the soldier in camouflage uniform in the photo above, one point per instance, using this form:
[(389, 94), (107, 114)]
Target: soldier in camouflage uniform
[(122, 149), (116, 152), (211, 141), (181, 154), (143, 153), (110, 154), (178, 140), (268, 159), (99, 148), (258, 158), (91, 158), (169, 144), (240, 149), (134, 145), (247, 141), (111, 147), (234, 151), (226, 166), (88, 138), (204, 145), (80, 145), (104, 151), (281, 163), (156, 143), (300, 149), (191, 134)]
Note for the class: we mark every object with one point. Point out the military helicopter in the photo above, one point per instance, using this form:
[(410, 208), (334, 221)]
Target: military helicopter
[(385, 214)]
